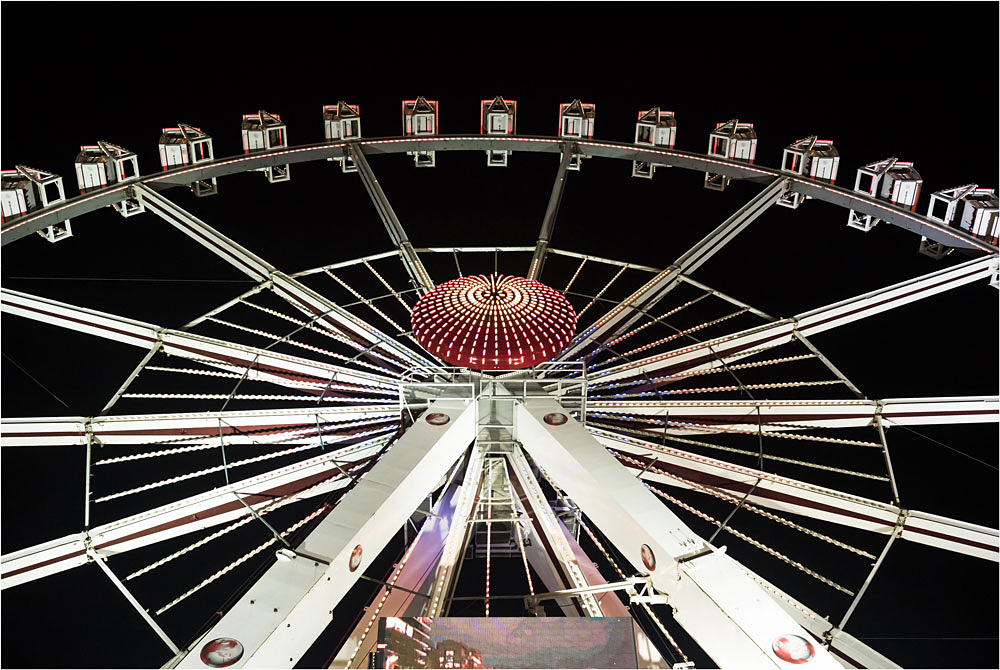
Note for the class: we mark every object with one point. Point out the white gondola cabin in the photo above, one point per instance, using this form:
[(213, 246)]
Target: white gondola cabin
[(576, 121), (264, 131), (103, 164), (968, 207), (809, 157), (655, 128), (732, 141), (497, 117), (187, 145), (890, 180), (342, 122), (420, 117), (25, 190)]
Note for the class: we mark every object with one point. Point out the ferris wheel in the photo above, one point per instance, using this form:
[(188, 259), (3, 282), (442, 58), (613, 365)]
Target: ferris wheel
[(595, 437)]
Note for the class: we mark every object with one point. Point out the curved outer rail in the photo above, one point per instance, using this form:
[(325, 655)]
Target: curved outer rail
[(837, 195)]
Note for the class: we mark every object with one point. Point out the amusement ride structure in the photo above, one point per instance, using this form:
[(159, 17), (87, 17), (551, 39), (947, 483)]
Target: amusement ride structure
[(500, 417)]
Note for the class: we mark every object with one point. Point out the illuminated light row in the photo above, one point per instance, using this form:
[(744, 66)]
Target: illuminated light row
[(235, 464), (573, 278), (246, 483), (728, 428), (747, 538), (603, 290), (365, 300), (242, 559), (489, 526), (750, 387), (708, 445), (314, 327), (466, 138), (278, 438), (226, 396), (669, 338), (386, 284), (285, 338), (712, 491), (520, 535), (675, 310), (494, 322), (725, 465), (360, 388), (247, 518), (707, 371)]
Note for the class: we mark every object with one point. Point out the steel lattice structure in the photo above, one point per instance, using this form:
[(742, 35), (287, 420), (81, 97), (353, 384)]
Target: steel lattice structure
[(652, 419)]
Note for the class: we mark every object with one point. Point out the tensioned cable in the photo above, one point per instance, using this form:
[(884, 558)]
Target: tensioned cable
[(36, 381)]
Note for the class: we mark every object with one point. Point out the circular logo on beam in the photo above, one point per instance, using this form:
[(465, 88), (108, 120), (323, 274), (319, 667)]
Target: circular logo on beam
[(648, 557), (221, 652), (355, 559), (437, 419), (555, 419), (793, 648)]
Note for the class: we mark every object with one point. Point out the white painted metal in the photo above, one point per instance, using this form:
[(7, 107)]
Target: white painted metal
[(700, 416), (291, 604), (808, 500), (303, 298), (264, 365), (707, 355), (732, 618), (197, 512), (193, 427)]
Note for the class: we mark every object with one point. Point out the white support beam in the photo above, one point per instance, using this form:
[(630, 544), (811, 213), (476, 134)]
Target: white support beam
[(801, 498), (289, 606), (414, 267), (691, 417), (197, 512), (238, 427), (849, 651), (550, 532), (630, 310), (725, 612), (708, 355), (264, 365), (327, 313), (551, 212), (414, 573)]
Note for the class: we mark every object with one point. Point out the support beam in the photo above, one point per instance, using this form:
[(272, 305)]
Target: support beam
[(789, 495), (626, 313), (691, 417), (186, 428), (418, 274), (327, 313), (654, 371), (725, 612), (551, 211), (135, 603), (307, 376), (289, 606), (318, 475)]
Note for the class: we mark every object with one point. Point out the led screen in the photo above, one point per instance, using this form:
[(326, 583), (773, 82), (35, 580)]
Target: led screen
[(506, 642)]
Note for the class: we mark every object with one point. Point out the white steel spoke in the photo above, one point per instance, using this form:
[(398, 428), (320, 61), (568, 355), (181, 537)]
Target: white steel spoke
[(262, 364), (710, 353), (309, 302), (790, 495), (631, 309), (197, 512), (418, 274), (549, 220)]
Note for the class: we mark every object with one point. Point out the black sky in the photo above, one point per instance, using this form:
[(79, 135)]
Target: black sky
[(916, 81)]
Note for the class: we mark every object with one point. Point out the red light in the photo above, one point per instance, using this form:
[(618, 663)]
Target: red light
[(493, 323)]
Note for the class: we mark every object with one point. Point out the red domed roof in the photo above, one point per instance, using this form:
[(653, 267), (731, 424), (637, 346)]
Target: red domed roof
[(493, 323)]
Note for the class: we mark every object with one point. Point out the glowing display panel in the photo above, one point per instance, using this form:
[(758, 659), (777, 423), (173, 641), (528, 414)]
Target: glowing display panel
[(506, 642), (495, 322)]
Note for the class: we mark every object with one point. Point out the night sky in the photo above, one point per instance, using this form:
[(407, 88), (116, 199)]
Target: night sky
[(915, 81)]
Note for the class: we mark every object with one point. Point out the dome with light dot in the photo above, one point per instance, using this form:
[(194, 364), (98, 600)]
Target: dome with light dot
[(495, 322)]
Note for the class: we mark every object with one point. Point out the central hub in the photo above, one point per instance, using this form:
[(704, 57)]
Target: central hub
[(494, 322)]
